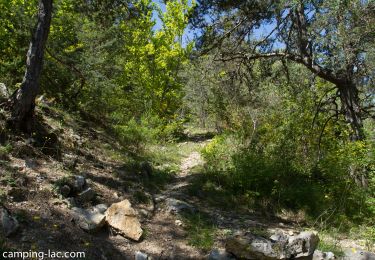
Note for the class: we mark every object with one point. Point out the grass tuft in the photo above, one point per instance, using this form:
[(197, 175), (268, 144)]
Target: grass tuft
[(201, 230)]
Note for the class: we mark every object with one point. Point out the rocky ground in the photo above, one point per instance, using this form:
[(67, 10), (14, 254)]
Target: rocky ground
[(76, 190)]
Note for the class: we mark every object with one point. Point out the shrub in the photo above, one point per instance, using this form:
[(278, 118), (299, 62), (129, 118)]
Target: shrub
[(275, 180), (134, 135)]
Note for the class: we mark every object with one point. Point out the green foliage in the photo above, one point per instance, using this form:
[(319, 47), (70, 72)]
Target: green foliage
[(331, 246), (107, 53), (5, 150), (134, 135), (16, 23), (286, 155), (171, 132), (152, 61), (369, 236), (269, 181), (201, 231)]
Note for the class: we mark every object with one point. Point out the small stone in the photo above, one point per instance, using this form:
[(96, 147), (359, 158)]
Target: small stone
[(101, 208), (141, 256), (65, 190), (319, 255), (330, 255), (178, 223), (79, 183), (86, 195), (31, 164), (178, 206), (30, 141), (159, 199), (90, 220), (144, 213), (220, 254), (40, 179)]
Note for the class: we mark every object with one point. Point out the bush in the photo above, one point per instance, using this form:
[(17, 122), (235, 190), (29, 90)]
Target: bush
[(134, 136), (150, 129), (171, 131), (272, 180)]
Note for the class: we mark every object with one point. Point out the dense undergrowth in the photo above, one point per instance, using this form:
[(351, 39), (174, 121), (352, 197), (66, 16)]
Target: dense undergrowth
[(274, 179), (269, 181)]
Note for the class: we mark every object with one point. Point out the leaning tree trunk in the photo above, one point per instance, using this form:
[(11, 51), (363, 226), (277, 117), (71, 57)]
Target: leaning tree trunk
[(352, 110), (23, 100)]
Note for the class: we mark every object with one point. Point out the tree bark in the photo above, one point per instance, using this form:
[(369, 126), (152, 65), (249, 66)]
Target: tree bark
[(23, 99), (352, 110)]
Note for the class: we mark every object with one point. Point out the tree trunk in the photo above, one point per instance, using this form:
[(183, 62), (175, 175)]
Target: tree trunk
[(23, 100), (352, 109)]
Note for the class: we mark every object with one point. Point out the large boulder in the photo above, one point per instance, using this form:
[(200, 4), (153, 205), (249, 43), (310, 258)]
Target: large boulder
[(90, 220), (279, 246), (8, 224), (123, 218)]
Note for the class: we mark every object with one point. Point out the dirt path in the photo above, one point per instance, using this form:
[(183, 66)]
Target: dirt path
[(166, 234), (177, 188), (167, 239)]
